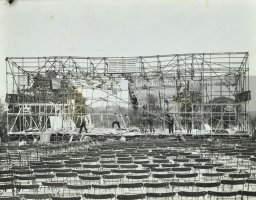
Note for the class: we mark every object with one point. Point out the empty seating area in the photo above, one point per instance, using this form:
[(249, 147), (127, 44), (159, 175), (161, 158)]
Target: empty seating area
[(137, 169)]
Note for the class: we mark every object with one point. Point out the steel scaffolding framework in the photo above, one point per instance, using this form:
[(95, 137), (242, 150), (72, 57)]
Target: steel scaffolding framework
[(210, 88)]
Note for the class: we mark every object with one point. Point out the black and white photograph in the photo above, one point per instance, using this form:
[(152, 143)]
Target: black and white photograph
[(121, 100)]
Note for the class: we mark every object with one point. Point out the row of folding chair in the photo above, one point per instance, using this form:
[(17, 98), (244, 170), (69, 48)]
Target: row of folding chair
[(149, 195)]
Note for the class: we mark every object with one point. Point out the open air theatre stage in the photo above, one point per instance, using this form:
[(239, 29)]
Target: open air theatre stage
[(128, 136), (188, 85)]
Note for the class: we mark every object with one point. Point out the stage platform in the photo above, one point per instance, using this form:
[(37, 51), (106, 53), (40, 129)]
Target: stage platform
[(113, 134), (134, 133), (174, 136)]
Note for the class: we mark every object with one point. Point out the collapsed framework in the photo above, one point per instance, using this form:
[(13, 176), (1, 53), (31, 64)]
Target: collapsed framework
[(211, 89)]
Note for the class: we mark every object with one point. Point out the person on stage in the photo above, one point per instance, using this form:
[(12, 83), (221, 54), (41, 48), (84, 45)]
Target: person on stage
[(151, 123), (135, 102), (116, 121), (189, 124), (83, 125), (170, 122), (128, 121)]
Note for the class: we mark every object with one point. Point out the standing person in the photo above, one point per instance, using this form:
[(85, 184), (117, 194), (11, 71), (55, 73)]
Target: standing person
[(1, 132), (151, 123), (116, 121), (254, 134), (253, 131), (83, 125), (170, 122), (135, 102), (189, 124), (143, 120), (144, 124), (128, 121)]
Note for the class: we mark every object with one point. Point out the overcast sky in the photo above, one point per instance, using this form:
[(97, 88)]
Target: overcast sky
[(125, 28)]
